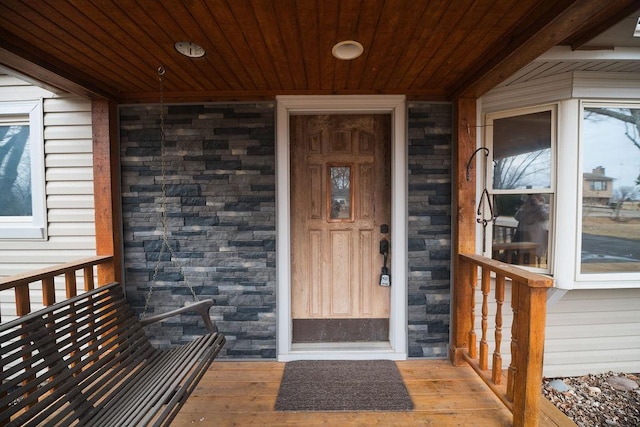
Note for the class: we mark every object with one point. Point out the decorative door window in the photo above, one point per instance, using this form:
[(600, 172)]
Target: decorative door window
[(340, 195)]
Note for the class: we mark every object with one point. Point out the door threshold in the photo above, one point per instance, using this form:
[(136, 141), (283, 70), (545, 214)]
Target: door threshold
[(380, 350)]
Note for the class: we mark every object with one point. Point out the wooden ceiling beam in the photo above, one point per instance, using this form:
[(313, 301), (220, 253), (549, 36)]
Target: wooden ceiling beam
[(608, 19), (546, 26)]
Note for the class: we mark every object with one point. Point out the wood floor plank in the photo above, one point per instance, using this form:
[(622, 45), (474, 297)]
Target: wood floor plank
[(440, 403), (223, 388), (225, 365), (244, 393), (478, 418), (233, 404), (242, 375)]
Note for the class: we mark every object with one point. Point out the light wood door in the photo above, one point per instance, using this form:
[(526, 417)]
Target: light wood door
[(340, 204)]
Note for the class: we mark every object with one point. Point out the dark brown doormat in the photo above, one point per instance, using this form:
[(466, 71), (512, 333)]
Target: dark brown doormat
[(342, 385)]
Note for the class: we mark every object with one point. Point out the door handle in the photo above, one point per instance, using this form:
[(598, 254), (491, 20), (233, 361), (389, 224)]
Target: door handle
[(384, 247), (385, 278)]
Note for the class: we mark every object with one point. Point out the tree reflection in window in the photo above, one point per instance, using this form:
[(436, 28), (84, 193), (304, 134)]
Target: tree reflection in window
[(522, 187), (340, 179), (15, 171), (610, 190), (522, 151)]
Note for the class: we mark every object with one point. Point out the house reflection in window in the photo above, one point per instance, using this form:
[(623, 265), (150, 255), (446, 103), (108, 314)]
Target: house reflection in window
[(610, 139)]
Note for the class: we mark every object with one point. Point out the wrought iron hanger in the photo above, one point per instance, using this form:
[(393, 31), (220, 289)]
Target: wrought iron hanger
[(482, 219), (485, 198), (486, 154)]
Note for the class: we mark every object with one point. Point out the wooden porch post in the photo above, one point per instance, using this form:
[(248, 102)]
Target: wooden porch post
[(106, 184), (532, 306), (463, 224)]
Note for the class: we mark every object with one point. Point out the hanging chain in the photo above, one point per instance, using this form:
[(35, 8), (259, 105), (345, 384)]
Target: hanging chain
[(163, 205)]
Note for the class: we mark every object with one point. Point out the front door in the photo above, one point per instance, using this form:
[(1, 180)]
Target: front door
[(340, 212)]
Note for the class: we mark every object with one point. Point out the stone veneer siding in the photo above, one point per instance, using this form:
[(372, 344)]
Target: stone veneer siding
[(220, 182), (429, 231)]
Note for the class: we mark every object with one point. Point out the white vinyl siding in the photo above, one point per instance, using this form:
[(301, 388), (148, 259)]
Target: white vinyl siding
[(69, 187), (593, 331)]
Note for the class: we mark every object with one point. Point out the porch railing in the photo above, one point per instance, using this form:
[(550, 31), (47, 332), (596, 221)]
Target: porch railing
[(518, 385), (43, 281)]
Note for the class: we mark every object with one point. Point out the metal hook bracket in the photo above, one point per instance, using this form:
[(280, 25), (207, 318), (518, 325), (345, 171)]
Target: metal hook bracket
[(486, 150)]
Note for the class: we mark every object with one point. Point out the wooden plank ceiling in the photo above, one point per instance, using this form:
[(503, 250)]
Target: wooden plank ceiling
[(256, 49)]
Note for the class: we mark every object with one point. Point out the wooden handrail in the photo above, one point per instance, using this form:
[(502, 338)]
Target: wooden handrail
[(20, 283), (520, 388)]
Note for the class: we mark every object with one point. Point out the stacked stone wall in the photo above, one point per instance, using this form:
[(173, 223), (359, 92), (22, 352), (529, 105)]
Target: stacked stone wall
[(429, 228), (219, 178)]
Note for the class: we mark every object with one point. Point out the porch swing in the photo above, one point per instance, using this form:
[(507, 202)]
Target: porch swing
[(87, 360)]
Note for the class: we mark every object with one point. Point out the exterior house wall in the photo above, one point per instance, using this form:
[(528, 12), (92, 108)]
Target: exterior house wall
[(429, 181), (588, 330), (593, 331), (220, 180), (68, 187), (220, 189)]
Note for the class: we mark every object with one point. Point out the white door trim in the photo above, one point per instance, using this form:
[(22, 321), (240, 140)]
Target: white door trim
[(388, 104)]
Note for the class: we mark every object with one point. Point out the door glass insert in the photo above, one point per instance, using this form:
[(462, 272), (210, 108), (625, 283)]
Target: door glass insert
[(340, 199)]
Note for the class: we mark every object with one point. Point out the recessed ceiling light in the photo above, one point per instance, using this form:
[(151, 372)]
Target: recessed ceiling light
[(636, 33), (190, 49), (348, 49)]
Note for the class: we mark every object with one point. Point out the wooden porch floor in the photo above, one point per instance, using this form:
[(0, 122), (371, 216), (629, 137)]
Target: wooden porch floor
[(244, 393)]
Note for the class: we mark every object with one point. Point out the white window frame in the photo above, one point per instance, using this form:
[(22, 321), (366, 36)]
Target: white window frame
[(595, 280), (489, 118), (34, 226)]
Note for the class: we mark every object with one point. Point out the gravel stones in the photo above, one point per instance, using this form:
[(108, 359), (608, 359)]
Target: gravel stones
[(610, 399)]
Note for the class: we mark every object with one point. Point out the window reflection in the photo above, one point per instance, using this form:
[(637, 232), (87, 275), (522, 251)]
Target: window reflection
[(521, 231), (340, 201), (522, 166), (610, 190), (15, 171), (522, 151)]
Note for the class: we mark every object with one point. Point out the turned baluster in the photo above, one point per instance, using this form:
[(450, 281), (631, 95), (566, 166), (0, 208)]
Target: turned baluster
[(496, 373), (484, 346), (473, 351), (515, 292)]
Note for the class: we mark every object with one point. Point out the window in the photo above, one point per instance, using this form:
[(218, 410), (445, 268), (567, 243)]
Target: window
[(521, 177), (22, 212), (341, 196), (609, 233), (598, 186)]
